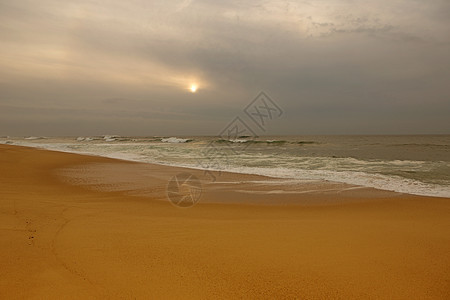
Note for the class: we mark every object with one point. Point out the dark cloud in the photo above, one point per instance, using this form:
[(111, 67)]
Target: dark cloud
[(335, 66)]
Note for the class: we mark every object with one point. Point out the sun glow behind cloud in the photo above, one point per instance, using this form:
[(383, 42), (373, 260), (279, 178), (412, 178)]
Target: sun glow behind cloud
[(87, 48), (327, 55)]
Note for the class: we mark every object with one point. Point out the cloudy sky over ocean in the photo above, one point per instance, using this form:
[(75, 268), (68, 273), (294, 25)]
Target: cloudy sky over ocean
[(130, 67)]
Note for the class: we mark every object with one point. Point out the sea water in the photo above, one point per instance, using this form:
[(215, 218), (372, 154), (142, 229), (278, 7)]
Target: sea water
[(414, 164)]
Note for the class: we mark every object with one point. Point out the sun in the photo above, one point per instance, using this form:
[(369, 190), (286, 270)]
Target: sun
[(193, 88)]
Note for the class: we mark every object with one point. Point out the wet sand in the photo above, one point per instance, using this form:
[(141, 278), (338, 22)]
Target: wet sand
[(74, 226)]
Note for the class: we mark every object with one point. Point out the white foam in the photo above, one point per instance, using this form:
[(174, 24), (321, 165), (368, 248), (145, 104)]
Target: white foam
[(110, 138), (345, 170), (88, 139), (378, 181), (174, 140), (239, 141)]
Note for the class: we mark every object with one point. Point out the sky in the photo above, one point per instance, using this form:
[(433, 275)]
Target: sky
[(127, 67)]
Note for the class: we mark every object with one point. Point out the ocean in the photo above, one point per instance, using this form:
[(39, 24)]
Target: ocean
[(413, 164)]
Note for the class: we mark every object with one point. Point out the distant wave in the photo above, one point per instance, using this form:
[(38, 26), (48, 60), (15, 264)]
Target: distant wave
[(305, 142), (175, 140), (238, 141), (275, 142), (439, 146), (110, 138), (85, 139), (268, 142)]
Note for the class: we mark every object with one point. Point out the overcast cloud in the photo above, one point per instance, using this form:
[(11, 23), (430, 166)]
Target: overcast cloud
[(125, 67)]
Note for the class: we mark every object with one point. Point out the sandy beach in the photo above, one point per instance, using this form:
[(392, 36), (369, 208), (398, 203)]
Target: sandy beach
[(85, 227)]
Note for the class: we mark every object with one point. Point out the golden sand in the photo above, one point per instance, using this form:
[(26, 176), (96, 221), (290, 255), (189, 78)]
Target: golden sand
[(74, 226)]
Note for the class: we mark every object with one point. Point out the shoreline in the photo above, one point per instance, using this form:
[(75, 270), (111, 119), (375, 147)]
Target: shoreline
[(195, 170), (70, 241), (225, 180)]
